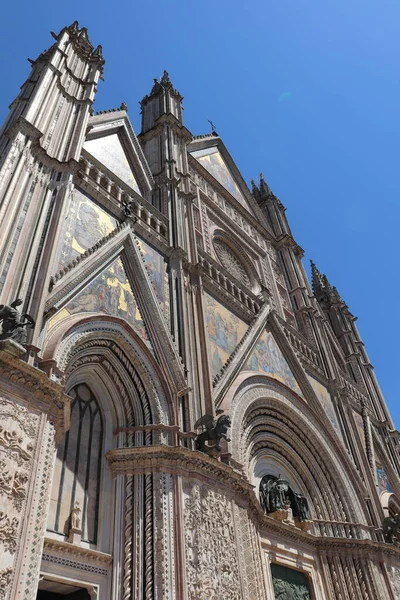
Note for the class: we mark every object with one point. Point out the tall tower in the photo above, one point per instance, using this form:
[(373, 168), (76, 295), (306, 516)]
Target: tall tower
[(40, 146)]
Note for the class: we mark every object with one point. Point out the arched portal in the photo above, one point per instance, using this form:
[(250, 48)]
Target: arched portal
[(274, 431)]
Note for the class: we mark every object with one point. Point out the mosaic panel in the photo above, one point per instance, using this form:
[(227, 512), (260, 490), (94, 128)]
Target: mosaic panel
[(225, 330), (108, 150), (383, 480), (110, 293), (86, 223), (211, 159), (157, 270), (325, 398), (267, 357)]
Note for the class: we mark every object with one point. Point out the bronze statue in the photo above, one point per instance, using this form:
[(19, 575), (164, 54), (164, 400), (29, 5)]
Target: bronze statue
[(391, 530), (301, 506), (12, 324), (273, 493), (214, 431)]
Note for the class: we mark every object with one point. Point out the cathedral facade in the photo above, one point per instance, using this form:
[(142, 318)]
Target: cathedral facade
[(182, 415)]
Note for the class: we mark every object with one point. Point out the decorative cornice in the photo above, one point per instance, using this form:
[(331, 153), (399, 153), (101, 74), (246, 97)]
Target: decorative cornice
[(195, 465), (34, 387), (84, 554)]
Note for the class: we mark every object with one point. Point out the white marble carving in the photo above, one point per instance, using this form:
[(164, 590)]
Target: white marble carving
[(211, 554)]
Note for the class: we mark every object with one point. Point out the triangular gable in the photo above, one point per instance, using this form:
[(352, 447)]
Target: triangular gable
[(109, 151), (112, 142), (267, 358), (225, 330), (113, 278), (109, 293), (212, 154), (211, 159), (85, 224)]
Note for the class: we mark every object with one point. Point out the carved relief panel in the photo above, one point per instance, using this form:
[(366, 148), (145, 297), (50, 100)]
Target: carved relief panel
[(211, 554), (18, 433)]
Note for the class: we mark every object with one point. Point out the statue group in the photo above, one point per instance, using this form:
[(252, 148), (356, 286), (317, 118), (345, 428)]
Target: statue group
[(13, 322), (276, 494)]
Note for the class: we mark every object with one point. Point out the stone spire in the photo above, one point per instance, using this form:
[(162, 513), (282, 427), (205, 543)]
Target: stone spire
[(58, 95), (317, 280), (271, 206), (322, 288), (40, 147), (163, 99)]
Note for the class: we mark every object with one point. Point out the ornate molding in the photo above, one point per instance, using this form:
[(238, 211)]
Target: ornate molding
[(36, 389), (198, 467), (66, 549)]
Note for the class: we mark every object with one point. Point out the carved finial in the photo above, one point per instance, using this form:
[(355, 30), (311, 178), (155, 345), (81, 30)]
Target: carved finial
[(98, 52), (265, 190), (165, 80), (84, 33), (124, 106), (316, 279), (74, 26)]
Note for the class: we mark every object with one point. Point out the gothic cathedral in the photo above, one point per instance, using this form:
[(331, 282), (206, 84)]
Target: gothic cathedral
[(182, 415)]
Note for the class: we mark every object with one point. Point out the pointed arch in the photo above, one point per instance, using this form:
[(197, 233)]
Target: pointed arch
[(270, 421), (114, 348)]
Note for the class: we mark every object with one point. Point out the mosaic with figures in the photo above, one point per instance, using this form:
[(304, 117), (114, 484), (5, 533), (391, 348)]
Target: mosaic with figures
[(225, 330), (86, 223), (211, 159), (109, 293), (157, 270), (383, 480), (325, 398), (267, 357)]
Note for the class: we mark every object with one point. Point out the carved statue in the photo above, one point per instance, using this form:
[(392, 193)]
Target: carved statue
[(12, 324), (214, 431), (273, 493), (302, 506), (76, 516), (391, 530)]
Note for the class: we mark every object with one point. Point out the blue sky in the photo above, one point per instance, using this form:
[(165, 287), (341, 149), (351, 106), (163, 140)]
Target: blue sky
[(308, 92)]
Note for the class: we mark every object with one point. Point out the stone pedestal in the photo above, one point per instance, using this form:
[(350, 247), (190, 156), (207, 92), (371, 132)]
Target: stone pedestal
[(33, 414), (75, 537), (304, 525), (284, 515)]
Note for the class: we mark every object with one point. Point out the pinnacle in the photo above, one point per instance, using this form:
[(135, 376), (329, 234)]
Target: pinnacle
[(264, 187), (321, 285), (317, 281)]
